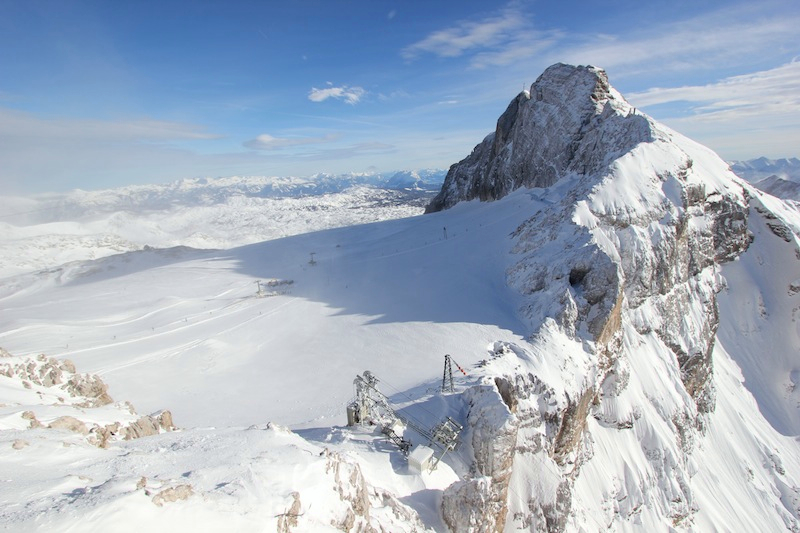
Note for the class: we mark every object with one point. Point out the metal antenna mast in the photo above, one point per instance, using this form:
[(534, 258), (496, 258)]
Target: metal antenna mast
[(447, 378)]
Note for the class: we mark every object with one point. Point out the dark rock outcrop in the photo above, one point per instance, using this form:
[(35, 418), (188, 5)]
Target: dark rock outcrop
[(565, 124)]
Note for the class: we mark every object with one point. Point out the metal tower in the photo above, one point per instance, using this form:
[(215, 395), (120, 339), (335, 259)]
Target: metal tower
[(447, 378)]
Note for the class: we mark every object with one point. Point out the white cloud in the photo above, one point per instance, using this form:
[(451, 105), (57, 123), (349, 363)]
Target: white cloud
[(351, 95), (740, 116), (724, 37), (18, 124), (268, 142), (778, 87), (467, 35)]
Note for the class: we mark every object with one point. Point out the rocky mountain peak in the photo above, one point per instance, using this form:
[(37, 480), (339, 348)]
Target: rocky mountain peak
[(571, 121), (633, 228)]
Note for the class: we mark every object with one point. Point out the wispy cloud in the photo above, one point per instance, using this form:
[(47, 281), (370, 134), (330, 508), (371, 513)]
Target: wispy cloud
[(60, 151), (510, 37), (351, 95), (352, 151), (43, 154), (496, 40), (778, 87), (399, 93), (705, 41), (468, 35), (739, 116), (18, 124), (268, 142)]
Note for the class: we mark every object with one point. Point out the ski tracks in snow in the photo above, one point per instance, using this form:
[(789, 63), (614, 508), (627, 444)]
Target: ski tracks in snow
[(202, 322)]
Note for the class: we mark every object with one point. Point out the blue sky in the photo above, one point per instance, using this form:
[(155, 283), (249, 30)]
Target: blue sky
[(97, 94)]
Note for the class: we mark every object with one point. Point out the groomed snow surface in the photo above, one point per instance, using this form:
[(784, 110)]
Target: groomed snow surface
[(186, 330)]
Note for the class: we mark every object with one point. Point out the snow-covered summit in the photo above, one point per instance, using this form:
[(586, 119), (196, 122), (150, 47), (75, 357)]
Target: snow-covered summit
[(570, 122), (620, 275), (624, 307)]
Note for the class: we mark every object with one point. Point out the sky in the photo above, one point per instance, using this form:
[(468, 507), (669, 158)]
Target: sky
[(98, 94)]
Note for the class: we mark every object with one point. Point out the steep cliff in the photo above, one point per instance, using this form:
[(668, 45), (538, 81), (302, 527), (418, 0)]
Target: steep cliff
[(615, 395), (571, 121)]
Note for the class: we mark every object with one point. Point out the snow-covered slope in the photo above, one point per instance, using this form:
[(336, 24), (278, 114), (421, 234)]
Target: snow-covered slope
[(626, 384), (631, 365), (48, 230), (186, 330)]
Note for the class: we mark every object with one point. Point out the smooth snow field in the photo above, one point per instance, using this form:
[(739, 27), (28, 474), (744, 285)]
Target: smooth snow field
[(185, 329)]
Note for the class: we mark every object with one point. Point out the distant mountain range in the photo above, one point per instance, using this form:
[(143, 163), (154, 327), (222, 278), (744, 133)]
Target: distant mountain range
[(755, 170), (78, 204), (46, 230), (778, 177), (623, 308)]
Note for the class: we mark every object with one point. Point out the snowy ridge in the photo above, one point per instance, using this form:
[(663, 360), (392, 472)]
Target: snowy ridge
[(630, 367), (619, 276)]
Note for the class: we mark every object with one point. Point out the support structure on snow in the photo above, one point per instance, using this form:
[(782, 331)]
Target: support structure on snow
[(445, 434), (447, 377), (371, 407)]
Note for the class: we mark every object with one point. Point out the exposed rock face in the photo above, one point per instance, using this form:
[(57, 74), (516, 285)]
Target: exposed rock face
[(565, 124), (492, 434), (54, 382), (634, 226), (357, 498), (49, 372), (474, 505)]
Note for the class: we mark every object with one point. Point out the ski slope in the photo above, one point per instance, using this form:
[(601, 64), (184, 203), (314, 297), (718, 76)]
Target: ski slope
[(185, 329)]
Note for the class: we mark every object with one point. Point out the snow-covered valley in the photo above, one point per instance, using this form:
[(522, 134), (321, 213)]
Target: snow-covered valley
[(623, 307), (48, 230)]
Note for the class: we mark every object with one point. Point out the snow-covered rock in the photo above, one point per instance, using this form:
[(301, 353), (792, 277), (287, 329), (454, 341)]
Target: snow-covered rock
[(571, 121), (619, 274), (623, 308), (44, 392)]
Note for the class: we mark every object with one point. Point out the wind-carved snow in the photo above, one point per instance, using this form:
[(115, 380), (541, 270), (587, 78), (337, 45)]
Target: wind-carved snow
[(624, 373)]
